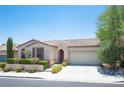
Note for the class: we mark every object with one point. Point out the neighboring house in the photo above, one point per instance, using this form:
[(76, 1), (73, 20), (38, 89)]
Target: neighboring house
[(3, 53), (75, 51)]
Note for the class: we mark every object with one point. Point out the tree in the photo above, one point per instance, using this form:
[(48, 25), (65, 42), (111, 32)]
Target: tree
[(109, 25), (109, 52), (109, 32), (10, 48), (121, 12)]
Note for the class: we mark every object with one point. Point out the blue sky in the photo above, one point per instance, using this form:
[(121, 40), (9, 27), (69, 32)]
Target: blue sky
[(24, 23)]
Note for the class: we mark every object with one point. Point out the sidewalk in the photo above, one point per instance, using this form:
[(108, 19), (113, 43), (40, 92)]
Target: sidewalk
[(69, 73)]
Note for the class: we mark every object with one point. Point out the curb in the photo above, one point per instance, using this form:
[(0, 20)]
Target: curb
[(38, 78), (20, 77)]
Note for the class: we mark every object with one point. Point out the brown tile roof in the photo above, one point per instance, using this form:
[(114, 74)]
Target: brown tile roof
[(41, 43), (53, 42), (33, 42), (70, 43), (77, 42)]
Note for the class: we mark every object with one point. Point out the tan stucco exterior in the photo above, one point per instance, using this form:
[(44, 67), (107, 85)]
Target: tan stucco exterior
[(64, 47), (51, 53)]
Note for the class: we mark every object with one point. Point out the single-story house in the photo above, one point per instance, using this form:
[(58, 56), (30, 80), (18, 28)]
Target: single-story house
[(75, 51), (3, 53)]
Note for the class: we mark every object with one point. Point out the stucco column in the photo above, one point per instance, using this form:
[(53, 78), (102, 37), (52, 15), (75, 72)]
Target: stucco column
[(52, 55), (64, 47), (66, 53), (19, 53)]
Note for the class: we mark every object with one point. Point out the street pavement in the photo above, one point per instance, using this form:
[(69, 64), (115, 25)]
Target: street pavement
[(27, 82)]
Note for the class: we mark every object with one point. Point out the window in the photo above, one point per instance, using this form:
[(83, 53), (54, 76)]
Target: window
[(22, 53)]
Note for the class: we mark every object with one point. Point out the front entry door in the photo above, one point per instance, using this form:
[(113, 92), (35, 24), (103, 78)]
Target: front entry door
[(60, 56), (40, 53)]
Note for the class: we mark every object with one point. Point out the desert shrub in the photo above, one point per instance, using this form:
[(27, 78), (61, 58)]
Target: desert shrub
[(2, 65), (11, 60), (19, 69), (6, 69), (27, 53), (32, 70), (25, 61), (44, 63), (35, 60), (56, 69), (65, 63)]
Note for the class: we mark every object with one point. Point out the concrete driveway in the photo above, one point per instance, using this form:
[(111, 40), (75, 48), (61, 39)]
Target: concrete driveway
[(85, 74), (89, 74)]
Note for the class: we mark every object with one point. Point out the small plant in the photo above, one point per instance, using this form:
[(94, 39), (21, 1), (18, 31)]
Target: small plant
[(64, 63), (27, 53), (11, 60), (35, 60), (2, 65), (33, 70), (19, 69), (6, 69), (1, 69), (44, 63), (56, 69), (25, 61)]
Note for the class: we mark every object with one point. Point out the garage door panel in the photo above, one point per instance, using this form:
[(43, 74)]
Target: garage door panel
[(83, 58)]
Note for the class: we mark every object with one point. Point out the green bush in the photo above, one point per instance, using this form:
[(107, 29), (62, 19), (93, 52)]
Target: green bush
[(44, 63), (65, 63), (108, 53), (33, 70), (6, 69), (25, 61), (19, 69), (2, 65), (56, 69), (11, 60)]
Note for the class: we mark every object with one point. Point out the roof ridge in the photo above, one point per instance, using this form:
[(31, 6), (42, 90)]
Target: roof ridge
[(82, 39), (72, 39)]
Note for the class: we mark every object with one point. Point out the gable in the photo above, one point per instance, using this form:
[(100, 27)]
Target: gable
[(33, 42)]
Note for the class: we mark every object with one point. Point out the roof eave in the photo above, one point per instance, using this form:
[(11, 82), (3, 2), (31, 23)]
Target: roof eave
[(85, 46)]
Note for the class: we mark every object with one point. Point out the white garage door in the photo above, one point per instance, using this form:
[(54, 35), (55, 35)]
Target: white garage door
[(83, 58)]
